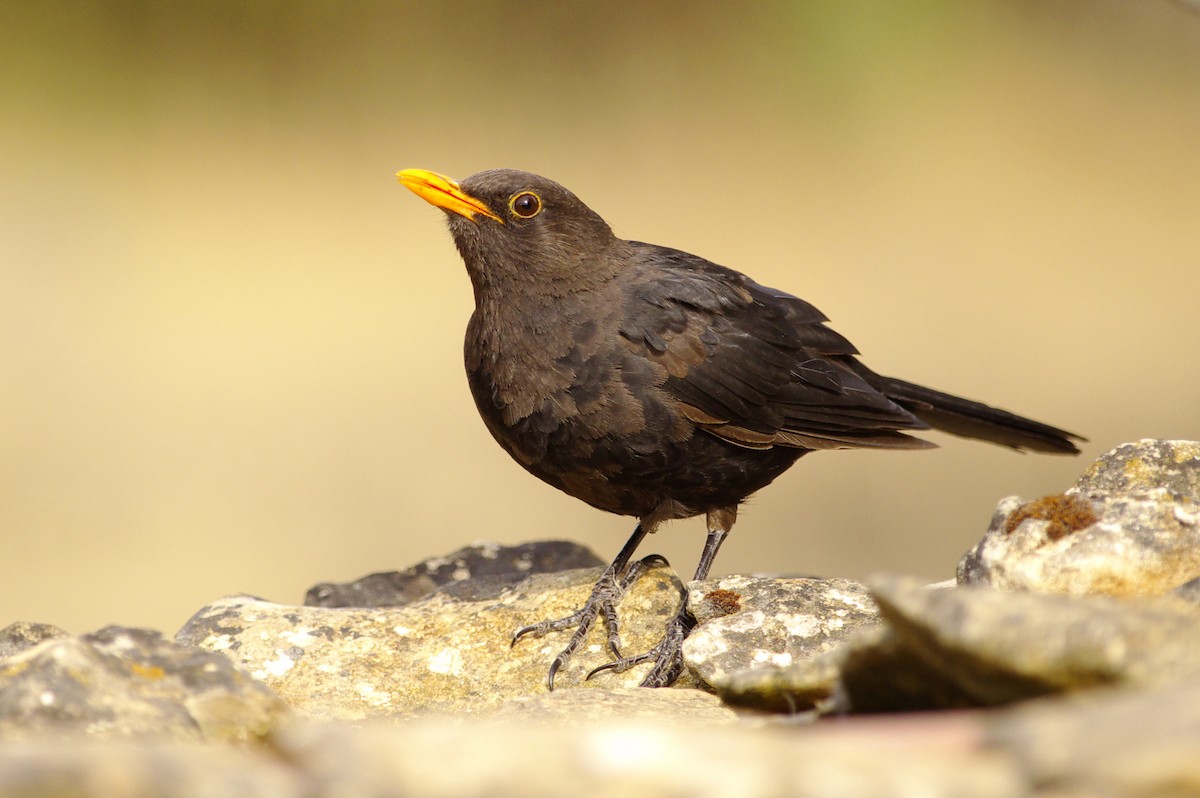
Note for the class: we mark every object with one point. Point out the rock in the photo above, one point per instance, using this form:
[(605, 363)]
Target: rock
[(121, 682), (1148, 467), (1113, 742), (651, 758), (748, 623), (1188, 591), (1129, 527), (485, 570), (620, 704), (810, 686), (532, 758), (1106, 687), (999, 646), (89, 768), (516, 757), (16, 637), (981, 647), (443, 653)]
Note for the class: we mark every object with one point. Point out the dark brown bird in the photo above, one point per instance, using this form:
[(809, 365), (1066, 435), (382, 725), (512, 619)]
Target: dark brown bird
[(653, 383)]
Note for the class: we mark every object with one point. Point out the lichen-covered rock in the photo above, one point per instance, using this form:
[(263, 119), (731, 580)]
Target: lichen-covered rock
[(1148, 467), (966, 647), (999, 646), (443, 653), (747, 622), (1129, 527), (16, 637), (475, 572), (121, 682), (814, 685)]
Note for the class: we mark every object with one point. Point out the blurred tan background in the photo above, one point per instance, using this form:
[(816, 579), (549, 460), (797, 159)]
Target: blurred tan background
[(230, 342)]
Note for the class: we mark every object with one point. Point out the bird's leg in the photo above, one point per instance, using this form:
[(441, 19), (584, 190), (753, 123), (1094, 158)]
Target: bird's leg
[(605, 594), (667, 655), (633, 573)]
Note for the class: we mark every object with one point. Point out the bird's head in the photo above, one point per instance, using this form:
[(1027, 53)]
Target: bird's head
[(513, 227)]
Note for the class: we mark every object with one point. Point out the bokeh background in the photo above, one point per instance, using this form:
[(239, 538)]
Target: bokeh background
[(231, 343)]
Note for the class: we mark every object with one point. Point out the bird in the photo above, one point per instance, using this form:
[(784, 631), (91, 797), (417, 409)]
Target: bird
[(653, 383)]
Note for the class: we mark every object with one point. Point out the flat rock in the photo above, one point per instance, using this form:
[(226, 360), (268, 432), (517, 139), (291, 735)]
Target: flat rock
[(121, 682), (619, 704), (442, 653), (1130, 526), (753, 623)]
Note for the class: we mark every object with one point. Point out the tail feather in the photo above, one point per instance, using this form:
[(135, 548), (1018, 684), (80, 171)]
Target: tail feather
[(972, 419)]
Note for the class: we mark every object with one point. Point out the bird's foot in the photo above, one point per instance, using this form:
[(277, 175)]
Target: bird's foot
[(606, 595), (667, 655)]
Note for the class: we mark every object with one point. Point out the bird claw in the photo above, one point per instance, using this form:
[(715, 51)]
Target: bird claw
[(545, 627), (606, 595), (667, 655), (602, 601)]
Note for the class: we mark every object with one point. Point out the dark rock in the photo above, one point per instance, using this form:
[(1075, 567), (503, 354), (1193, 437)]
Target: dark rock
[(1188, 591), (121, 682), (1129, 527), (442, 653), (748, 623), (16, 637), (473, 573)]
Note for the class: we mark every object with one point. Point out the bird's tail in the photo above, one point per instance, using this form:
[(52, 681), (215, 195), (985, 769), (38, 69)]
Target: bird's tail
[(972, 419)]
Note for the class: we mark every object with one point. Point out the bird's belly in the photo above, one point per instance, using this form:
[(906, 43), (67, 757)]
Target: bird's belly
[(661, 467), (679, 480)]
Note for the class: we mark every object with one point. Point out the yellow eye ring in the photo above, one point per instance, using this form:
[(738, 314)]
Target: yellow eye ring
[(525, 205)]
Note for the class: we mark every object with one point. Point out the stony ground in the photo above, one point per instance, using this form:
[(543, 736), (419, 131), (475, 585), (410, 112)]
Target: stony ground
[(1063, 660)]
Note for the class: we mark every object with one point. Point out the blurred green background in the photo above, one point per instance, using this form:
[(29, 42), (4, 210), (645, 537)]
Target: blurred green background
[(231, 343)]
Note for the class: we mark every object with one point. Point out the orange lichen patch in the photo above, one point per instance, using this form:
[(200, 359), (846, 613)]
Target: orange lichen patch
[(1066, 514), (151, 672), (723, 602), (1139, 472)]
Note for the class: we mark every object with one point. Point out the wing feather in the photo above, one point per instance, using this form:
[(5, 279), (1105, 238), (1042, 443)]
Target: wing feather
[(755, 366)]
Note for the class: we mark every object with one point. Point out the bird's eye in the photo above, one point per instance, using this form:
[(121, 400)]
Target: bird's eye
[(526, 205)]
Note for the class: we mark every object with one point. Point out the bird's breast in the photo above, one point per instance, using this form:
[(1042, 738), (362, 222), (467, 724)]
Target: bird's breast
[(565, 388)]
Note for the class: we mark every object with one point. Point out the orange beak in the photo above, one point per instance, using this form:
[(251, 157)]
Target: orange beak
[(443, 192)]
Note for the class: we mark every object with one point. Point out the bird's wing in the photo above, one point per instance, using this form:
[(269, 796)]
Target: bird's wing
[(752, 365)]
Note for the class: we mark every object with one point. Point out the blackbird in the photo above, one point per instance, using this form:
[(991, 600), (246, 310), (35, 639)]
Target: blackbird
[(653, 383)]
